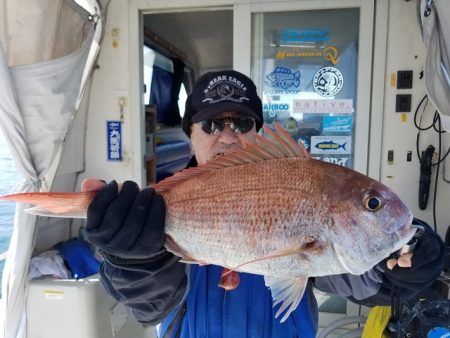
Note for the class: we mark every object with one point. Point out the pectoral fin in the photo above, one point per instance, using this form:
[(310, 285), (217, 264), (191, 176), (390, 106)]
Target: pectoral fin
[(287, 291)]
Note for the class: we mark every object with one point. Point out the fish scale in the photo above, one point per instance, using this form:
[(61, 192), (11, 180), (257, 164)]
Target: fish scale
[(249, 211), (270, 209)]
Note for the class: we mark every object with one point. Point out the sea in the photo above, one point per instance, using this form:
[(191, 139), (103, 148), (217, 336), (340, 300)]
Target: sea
[(9, 178)]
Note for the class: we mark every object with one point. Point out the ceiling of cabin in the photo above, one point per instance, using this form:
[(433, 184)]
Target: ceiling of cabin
[(206, 37)]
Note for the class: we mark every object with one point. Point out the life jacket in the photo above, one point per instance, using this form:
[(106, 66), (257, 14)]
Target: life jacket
[(210, 311)]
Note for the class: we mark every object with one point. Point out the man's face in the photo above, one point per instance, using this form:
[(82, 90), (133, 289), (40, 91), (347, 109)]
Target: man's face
[(207, 146)]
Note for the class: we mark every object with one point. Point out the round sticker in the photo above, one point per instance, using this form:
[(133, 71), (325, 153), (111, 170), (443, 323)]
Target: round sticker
[(328, 81)]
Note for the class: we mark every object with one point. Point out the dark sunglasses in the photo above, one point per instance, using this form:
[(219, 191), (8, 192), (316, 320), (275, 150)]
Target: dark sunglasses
[(240, 125)]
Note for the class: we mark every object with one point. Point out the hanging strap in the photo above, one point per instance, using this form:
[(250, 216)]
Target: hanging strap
[(394, 322), (174, 329)]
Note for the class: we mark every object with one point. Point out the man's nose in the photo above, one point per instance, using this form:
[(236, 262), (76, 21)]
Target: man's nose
[(228, 136)]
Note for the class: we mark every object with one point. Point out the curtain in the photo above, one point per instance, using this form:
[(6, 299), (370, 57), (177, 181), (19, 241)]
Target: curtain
[(47, 51), (165, 88), (435, 22)]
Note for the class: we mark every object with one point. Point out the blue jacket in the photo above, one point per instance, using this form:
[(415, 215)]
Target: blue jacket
[(244, 312)]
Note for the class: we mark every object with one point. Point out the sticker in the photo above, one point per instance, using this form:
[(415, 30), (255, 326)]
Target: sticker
[(272, 109), (393, 80), (53, 294), (292, 38), (331, 145), (291, 125), (114, 139), (283, 79), (311, 124), (342, 161), (329, 53), (323, 106), (328, 81), (339, 124)]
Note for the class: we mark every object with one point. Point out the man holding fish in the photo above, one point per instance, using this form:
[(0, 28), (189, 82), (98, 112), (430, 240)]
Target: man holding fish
[(234, 209)]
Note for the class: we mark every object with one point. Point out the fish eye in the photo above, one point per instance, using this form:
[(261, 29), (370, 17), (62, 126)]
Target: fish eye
[(372, 203)]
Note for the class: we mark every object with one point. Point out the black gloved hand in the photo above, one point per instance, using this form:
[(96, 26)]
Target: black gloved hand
[(128, 225), (427, 262)]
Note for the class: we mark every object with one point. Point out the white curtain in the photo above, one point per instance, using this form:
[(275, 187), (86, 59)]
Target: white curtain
[(48, 48), (435, 20)]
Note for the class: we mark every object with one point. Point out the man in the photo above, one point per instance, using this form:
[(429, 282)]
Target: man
[(222, 113)]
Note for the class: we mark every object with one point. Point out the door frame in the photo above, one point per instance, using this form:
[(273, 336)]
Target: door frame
[(242, 14)]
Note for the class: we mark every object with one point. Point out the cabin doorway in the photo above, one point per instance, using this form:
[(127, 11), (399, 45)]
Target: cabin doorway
[(177, 48)]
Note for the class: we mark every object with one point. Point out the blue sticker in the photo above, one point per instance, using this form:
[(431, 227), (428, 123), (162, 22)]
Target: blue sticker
[(293, 37), (273, 109), (114, 140), (331, 145), (283, 78), (340, 124)]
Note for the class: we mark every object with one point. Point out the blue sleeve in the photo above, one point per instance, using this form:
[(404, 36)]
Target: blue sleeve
[(151, 288)]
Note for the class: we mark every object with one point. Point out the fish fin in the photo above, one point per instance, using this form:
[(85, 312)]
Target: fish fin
[(280, 145), (287, 291), (309, 247), (174, 248), (55, 204)]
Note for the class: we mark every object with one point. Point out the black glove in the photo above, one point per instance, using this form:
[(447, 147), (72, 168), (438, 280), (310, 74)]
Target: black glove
[(128, 225), (427, 262), (128, 228)]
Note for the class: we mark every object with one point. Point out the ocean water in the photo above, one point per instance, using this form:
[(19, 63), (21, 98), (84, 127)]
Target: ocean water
[(9, 178)]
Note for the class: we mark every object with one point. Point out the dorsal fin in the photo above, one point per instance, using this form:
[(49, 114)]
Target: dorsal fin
[(280, 145)]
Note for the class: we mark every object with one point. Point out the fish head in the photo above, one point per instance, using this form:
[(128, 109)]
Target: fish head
[(369, 222)]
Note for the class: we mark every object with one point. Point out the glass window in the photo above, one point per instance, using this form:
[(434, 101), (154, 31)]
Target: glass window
[(305, 66)]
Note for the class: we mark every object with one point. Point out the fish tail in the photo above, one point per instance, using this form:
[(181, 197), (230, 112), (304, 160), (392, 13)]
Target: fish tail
[(343, 146), (55, 204)]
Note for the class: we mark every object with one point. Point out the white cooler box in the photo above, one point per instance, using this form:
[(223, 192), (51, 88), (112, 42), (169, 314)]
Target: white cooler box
[(78, 309)]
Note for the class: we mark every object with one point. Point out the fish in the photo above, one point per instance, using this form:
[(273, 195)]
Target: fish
[(270, 209)]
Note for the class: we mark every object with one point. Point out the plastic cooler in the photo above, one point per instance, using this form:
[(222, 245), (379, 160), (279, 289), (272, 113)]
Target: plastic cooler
[(71, 308)]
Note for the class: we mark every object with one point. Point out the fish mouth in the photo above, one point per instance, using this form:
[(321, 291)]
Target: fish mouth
[(404, 234)]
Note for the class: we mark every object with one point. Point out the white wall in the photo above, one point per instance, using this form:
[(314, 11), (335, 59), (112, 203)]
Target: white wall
[(404, 51), (111, 81)]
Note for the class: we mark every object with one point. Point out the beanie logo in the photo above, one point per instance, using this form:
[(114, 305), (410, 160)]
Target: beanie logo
[(223, 88)]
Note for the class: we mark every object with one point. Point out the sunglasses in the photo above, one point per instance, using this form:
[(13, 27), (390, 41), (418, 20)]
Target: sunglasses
[(240, 125)]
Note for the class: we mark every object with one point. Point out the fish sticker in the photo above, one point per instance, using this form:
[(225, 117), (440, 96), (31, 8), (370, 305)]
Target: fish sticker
[(283, 78), (331, 145)]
